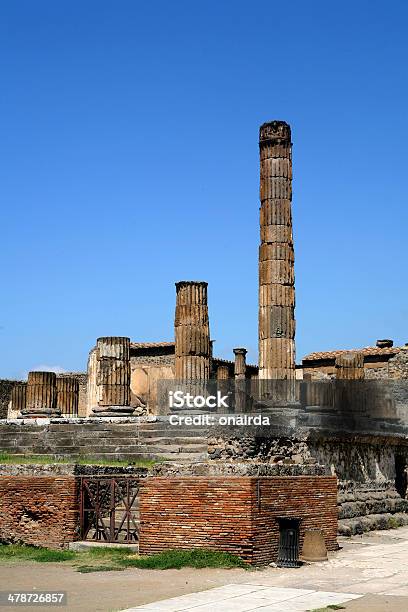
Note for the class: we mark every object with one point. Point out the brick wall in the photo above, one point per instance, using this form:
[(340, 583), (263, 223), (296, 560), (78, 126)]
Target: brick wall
[(38, 510), (313, 499), (238, 515), (196, 512)]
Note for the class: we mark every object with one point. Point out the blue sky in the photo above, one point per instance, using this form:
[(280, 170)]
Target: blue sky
[(129, 160)]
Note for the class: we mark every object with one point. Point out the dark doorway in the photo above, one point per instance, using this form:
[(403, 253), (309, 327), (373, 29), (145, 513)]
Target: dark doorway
[(288, 554), (401, 475)]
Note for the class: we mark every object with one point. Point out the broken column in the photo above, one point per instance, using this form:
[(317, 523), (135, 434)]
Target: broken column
[(350, 366), (112, 376), (222, 372), (17, 401), (240, 379), (192, 331), (276, 255), (68, 395), (41, 395), (240, 363), (350, 392)]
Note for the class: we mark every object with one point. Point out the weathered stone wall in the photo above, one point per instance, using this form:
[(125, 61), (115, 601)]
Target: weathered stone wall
[(372, 371), (152, 360), (374, 505), (238, 515), (39, 510), (376, 372), (6, 387), (371, 470), (398, 365)]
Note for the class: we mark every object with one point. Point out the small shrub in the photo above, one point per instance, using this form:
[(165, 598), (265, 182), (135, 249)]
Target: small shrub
[(392, 523)]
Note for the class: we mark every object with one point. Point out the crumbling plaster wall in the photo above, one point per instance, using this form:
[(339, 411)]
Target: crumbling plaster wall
[(145, 372)]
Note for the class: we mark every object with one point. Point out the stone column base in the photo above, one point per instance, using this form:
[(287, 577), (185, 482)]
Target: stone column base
[(43, 413), (111, 411)]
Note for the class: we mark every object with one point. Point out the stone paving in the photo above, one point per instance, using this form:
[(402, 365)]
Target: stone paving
[(245, 597), (375, 564)]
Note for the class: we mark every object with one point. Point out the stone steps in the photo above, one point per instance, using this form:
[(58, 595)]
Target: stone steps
[(146, 440)]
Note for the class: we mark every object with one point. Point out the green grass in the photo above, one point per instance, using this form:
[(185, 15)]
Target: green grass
[(176, 559), (15, 552), (392, 523), (9, 459), (88, 569), (106, 559)]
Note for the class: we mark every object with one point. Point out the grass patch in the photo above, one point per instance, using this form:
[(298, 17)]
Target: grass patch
[(392, 523), (9, 459), (88, 569), (15, 552), (105, 559), (176, 559), (107, 552)]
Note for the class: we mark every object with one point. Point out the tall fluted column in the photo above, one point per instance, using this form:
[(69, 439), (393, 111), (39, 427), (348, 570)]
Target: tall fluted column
[(276, 256), (112, 376), (41, 395), (192, 331)]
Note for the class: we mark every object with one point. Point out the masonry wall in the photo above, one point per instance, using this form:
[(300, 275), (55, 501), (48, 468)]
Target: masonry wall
[(74, 438), (237, 515), (313, 499), (39, 510), (398, 365)]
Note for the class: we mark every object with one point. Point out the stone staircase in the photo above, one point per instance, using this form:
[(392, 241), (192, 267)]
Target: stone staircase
[(127, 440), (166, 442)]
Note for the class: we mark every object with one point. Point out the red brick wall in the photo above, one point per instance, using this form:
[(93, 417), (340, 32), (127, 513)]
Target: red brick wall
[(227, 513), (38, 510), (196, 512), (313, 499)]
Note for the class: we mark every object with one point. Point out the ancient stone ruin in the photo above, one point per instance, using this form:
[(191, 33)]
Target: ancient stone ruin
[(338, 419)]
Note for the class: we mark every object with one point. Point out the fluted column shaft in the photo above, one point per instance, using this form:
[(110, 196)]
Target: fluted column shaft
[(41, 394), (113, 371), (192, 331), (67, 395), (276, 255), (18, 398)]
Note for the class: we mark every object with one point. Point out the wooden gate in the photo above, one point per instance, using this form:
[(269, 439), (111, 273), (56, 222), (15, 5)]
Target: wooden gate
[(110, 508)]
